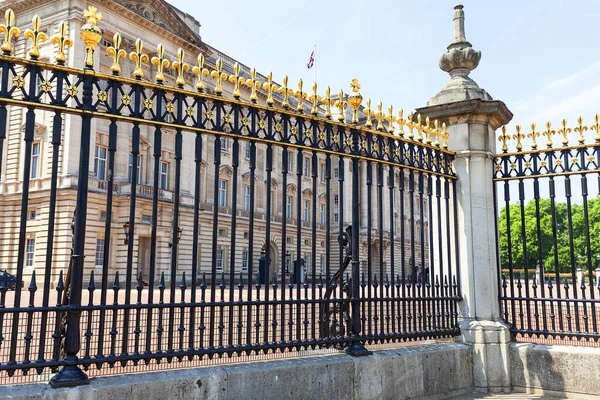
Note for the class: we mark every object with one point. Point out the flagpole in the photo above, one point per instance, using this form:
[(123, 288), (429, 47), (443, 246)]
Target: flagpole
[(315, 63)]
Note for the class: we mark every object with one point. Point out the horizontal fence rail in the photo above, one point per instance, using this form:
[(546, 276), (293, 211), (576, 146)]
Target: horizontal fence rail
[(198, 226), (549, 214)]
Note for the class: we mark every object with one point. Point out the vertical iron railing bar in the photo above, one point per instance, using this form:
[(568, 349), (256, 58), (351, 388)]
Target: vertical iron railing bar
[(423, 303), (392, 204), (267, 259), (5, 67), (215, 227), (413, 277), (458, 288), (284, 257), (235, 163), (380, 245), (341, 203), (401, 186), (252, 167), (328, 254), (430, 274), (299, 268), (568, 195), (588, 246), (438, 194), (540, 264), (369, 247), (448, 278), (56, 143), (525, 254), (513, 314), (315, 170), (555, 248)]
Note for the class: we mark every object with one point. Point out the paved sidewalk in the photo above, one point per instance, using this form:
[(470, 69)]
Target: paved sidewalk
[(503, 396)]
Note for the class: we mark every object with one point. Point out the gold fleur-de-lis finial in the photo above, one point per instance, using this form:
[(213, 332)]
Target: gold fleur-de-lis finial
[(379, 116), (91, 34), (596, 127), (270, 87), (160, 62), (200, 72), (237, 80), (504, 138), (326, 101), (400, 122), (427, 130), (300, 95), (390, 119), (436, 133), (419, 127), (116, 52), (9, 29), (314, 97), (533, 135), (410, 124), (368, 113), (564, 131), (181, 67), (218, 75), (580, 128), (138, 57), (253, 84), (518, 137), (341, 105), (285, 91), (62, 41), (36, 37), (549, 133), (445, 135)]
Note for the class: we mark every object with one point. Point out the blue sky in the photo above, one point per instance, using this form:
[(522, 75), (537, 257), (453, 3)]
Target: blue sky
[(540, 57)]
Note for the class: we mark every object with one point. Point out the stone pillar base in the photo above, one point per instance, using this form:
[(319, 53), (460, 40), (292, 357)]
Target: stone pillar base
[(491, 358)]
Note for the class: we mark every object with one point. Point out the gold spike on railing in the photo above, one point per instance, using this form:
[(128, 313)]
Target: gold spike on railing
[(564, 131), (445, 136), (427, 130), (518, 137), (181, 67), (116, 52), (36, 37), (596, 127), (379, 116), (341, 105), (410, 124), (433, 131), (285, 91), (62, 41), (369, 114), (549, 133), (200, 72), (581, 130), (326, 101), (270, 88), (253, 84), (237, 80), (419, 127), (138, 57), (504, 138), (160, 62), (91, 34), (218, 75), (437, 134), (533, 135), (400, 122), (314, 98), (299, 94), (390, 119), (10, 30)]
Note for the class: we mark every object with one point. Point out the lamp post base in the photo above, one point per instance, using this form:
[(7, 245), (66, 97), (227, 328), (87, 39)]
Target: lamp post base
[(69, 376), (357, 349)]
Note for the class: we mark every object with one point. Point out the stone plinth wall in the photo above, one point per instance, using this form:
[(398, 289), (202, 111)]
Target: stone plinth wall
[(555, 370), (428, 371)]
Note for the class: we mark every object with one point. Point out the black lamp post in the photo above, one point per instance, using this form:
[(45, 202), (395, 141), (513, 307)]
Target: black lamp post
[(287, 262), (126, 231), (179, 231)]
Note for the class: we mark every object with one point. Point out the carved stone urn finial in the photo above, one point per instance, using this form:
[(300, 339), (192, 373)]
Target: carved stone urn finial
[(459, 61)]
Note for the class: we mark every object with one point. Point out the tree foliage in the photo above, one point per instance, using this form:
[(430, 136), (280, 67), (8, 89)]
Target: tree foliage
[(542, 232)]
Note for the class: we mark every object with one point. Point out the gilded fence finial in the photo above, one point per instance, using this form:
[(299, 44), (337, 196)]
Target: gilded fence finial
[(549, 133), (253, 84), (400, 122), (596, 127), (200, 72), (368, 113), (341, 105), (9, 31), (518, 137), (314, 97), (300, 96), (326, 101), (160, 62), (564, 131), (379, 116), (181, 67), (427, 131), (36, 37), (504, 138), (434, 132), (410, 124), (285, 91), (218, 75), (138, 57), (445, 136), (437, 133), (91, 34), (62, 41), (355, 99), (390, 119), (116, 52), (580, 129), (419, 128), (533, 135), (236, 79), (270, 87)]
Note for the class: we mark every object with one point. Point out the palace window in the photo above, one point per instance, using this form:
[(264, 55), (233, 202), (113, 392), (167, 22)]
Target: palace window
[(99, 252), (224, 144), (163, 175), (245, 260), (100, 162), (306, 167), (288, 207), (247, 151), (138, 169), (290, 162), (247, 198), (35, 160), (306, 209), (220, 260), (222, 193), (29, 252), (322, 214), (322, 172)]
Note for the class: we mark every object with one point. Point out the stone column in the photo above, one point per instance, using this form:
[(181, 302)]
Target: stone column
[(472, 117)]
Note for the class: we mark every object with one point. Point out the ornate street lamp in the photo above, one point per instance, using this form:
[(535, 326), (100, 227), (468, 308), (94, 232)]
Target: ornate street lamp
[(287, 262), (179, 231), (126, 231)]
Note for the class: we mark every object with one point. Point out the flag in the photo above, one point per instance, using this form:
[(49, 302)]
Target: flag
[(311, 60)]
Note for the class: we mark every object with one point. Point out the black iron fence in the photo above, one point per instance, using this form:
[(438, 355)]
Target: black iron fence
[(548, 221), (199, 226)]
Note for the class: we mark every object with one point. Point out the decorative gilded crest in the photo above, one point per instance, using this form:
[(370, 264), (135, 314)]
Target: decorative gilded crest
[(200, 72), (400, 122), (62, 41), (314, 98), (91, 34), (253, 84), (410, 124), (390, 119), (355, 99), (580, 128), (326, 101), (437, 133), (379, 116), (181, 67), (10, 30), (237, 80), (36, 37), (504, 138), (341, 105), (434, 131), (427, 130), (533, 135), (368, 113), (518, 137), (445, 136), (285, 92), (270, 87), (419, 127), (218, 75), (564, 131), (116, 52), (160, 62), (548, 133), (138, 57), (300, 95), (596, 127)]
